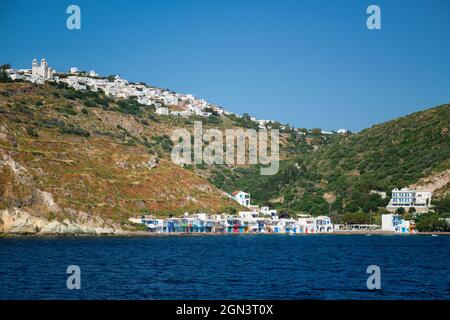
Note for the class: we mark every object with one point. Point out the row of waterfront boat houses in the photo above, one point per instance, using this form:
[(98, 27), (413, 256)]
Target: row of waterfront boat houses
[(255, 220), (256, 223), (243, 222), (264, 220)]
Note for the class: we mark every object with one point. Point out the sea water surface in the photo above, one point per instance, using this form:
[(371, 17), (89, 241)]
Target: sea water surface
[(226, 267)]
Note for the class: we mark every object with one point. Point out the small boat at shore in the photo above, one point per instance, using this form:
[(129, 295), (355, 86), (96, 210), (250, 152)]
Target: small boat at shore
[(435, 235)]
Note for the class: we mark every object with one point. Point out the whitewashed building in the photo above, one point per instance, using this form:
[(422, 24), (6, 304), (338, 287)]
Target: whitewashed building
[(41, 72), (162, 111), (394, 223), (242, 197), (306, 223), (407, 198), (266, 211), (323, 224)]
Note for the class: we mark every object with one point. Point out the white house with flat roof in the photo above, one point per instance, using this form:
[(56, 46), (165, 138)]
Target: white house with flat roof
[(323, 224), (306, 223), (266, 211), (409, 198), (394, 223)]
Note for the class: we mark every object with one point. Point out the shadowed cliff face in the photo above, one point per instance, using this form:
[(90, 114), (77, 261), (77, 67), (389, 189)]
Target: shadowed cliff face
[(60, 160)]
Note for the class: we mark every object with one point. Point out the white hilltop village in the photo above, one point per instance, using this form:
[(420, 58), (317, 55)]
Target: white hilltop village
[(118, 88), (256, 219), (166, 102)]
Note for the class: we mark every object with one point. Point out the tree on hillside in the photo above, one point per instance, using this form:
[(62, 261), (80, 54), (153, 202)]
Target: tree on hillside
[(412, 211), (3, 75), (358, 217), (400, 211), (430, 223), (316, 131), (443, 205), (352, 207)]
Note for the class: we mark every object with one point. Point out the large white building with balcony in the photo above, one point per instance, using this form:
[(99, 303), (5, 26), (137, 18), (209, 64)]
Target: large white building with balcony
[(409, 198)]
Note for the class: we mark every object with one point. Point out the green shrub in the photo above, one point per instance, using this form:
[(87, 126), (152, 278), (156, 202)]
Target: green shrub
[(75, 131), (68, 109), (32, 132), (90, 104), (431, 223), (128, 106)]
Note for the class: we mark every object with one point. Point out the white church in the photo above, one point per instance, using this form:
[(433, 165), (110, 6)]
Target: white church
[(41, 72)]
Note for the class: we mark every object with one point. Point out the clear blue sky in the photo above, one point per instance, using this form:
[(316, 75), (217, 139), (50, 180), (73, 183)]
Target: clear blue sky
[(308, 63)]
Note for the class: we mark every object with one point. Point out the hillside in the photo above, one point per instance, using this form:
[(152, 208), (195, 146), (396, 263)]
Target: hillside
[(338, 177), (80, 161), (66, 155)]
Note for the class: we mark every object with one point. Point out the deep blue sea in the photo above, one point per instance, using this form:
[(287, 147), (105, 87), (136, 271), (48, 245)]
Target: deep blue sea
[(226, 267)]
